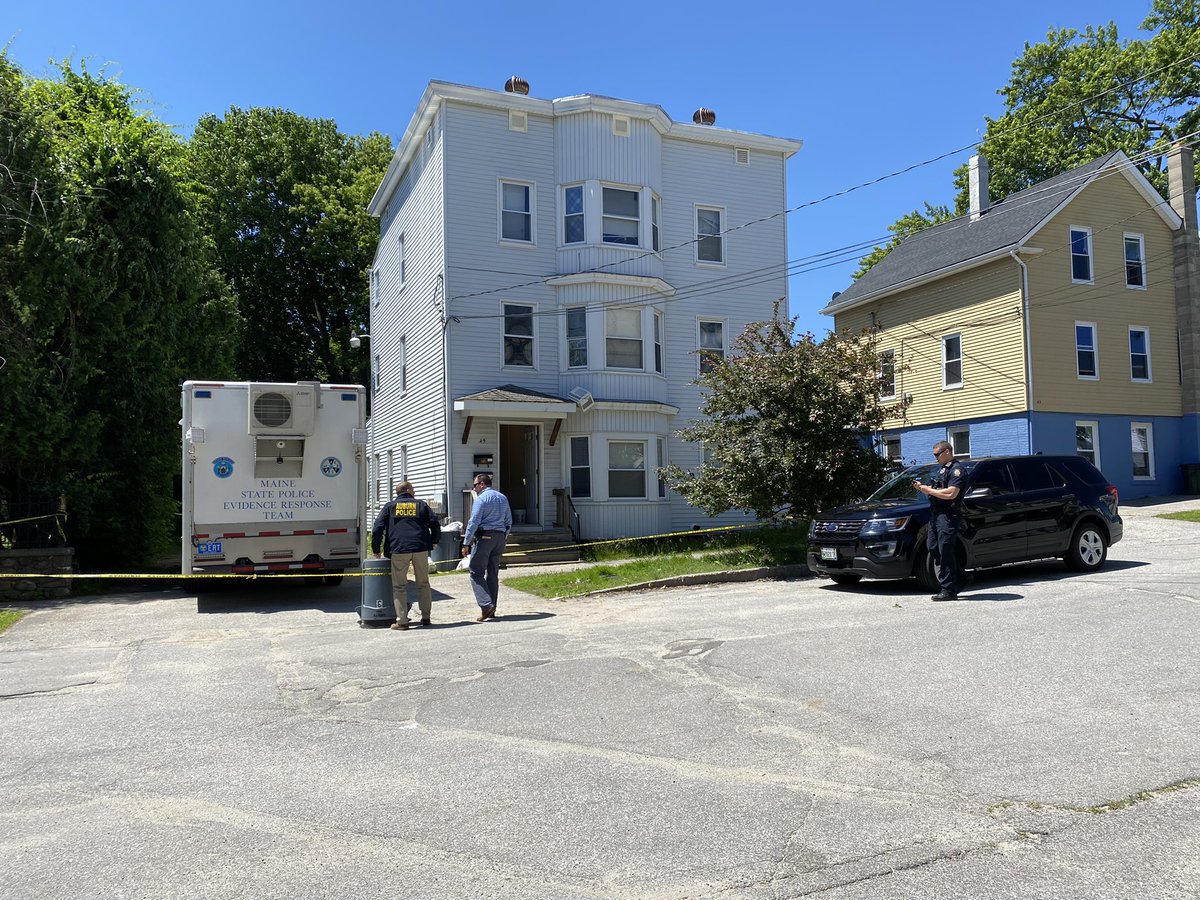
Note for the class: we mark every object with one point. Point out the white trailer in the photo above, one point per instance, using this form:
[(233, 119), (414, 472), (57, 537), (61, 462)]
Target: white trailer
[(273, 477)]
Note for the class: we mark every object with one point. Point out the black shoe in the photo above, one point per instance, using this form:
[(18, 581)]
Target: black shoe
[(944, 595), (426, 622)]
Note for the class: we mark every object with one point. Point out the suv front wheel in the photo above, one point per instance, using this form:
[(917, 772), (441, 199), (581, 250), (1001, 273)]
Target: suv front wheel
[(1088, 549)]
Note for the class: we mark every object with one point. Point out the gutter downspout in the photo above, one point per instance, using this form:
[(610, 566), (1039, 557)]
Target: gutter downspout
[(1028, 349)]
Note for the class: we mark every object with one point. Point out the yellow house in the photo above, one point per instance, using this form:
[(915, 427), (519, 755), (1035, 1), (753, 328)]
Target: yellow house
[(1061, 319)]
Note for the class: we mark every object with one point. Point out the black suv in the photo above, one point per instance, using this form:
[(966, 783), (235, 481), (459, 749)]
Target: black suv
[(1014, 509)]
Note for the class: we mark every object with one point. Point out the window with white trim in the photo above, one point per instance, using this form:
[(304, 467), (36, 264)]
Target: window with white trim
[(662, 464), (376, 377), (655, 222), (1087, 441), (623, 338), (891, 450), (377, 480), (887, 375), (1087, 363), (622, 216), (952, 374), (1081, 254), (1139, 354), (711, 344), (960, 441), (577, 348), (518, 335), (581, 467), (404, 462), (1141, 436), (627, 469), (658, 342), (710, 242), (374, 286), (574, 230), (402, 263), (1135, 261), (516, 212), (402, 362), (391, 480)]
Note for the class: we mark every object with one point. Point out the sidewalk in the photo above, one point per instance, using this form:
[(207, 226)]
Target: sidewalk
[(1156, 506)]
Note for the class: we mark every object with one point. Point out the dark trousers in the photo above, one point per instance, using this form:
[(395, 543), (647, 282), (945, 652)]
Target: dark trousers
[(941, 540), (485, 566)]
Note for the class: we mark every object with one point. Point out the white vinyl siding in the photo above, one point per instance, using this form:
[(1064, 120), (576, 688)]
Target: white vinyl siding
[(1142, 446), (517, 212), (1087, 363), (952, 361), (1135, 261), (1139, 354), (1081, 255)]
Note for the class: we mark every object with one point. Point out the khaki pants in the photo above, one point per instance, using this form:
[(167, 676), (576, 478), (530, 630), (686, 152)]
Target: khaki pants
[(420, 567)]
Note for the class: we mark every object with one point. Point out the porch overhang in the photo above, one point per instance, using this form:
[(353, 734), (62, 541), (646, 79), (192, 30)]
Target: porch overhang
[(510, 401)]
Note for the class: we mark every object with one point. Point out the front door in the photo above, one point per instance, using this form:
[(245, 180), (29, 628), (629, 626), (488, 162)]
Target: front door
[(520, 454)]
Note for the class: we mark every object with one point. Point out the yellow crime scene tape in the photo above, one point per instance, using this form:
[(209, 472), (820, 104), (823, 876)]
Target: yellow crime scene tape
[(274, 576)]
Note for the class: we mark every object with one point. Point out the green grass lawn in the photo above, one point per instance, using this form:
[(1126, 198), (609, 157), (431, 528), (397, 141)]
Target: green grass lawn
[(1189, 515), (10, 617), (656, 559)]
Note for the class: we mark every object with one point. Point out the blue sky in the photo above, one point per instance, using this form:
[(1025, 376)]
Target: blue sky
[(869, 87)]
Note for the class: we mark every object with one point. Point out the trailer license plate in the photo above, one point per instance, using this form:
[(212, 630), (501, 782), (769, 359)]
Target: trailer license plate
[(212, 548), (829, 553)]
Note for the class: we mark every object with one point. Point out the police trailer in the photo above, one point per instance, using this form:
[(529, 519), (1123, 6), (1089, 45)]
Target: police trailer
[(273, 478)]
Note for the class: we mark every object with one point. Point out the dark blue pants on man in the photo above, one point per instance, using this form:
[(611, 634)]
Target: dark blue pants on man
[(940, 540)]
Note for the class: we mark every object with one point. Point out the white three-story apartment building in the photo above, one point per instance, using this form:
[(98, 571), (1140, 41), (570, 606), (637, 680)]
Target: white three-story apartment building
[(551, 277)]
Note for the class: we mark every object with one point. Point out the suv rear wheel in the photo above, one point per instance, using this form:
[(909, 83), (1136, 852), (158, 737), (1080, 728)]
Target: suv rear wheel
[(1088, 549)]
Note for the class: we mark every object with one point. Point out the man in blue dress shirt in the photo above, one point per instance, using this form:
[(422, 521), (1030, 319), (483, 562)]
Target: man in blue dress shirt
[(487, 530)]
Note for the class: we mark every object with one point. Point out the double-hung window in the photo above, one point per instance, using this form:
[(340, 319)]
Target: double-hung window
[(402, 362), (626, 469), (1087, 441), (1141, 436), (516, 212), (710, 243), (622, 216), (1139, 353), (887, 375), (658, 342), (655, 223), (1135, 261), (1086, 364), (518, 335), (581, 467), (1081, 255), (662, 464), (574, 231), (711, 345), (402, 262), (623, 338), (952, 374), (577, 348)]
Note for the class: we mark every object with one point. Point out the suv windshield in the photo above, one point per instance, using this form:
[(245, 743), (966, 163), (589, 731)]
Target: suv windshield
[(900, 487)]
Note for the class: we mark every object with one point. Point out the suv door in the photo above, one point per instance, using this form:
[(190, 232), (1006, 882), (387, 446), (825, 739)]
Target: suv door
[(993, 522), (1042, 493)]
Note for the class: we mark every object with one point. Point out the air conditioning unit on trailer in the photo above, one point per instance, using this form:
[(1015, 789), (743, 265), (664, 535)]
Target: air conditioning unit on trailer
[(283, 408)]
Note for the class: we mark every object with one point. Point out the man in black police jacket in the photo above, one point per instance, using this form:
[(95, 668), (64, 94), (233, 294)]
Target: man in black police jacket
[(412, 530), (945, 520)]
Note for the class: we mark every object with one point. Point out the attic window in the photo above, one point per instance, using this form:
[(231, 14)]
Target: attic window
[(620, 126), (518, 120), (741, 156)]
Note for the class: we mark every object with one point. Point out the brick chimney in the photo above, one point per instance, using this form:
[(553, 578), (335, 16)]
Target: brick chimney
[(1181, 179), (977, 170)]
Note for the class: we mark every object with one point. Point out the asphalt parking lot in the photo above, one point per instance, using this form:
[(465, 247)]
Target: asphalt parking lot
[(759, 740)]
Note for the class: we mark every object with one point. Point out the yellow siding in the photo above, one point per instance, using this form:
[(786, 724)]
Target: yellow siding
[(1111, 208), (982, 305)]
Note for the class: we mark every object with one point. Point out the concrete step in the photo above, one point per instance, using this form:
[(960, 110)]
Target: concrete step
[(553, 545)]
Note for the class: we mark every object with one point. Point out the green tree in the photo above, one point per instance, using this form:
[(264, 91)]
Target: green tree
[(109, 298), (788, 424), (1077, 96), (284, 198), (902, 228)]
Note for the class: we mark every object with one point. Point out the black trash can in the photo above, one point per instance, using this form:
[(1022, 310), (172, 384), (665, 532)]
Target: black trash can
[(1191, 477)]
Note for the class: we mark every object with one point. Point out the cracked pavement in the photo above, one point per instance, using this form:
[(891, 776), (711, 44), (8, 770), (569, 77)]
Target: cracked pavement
[(757, 740)]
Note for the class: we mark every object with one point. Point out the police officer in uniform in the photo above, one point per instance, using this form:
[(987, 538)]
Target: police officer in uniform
[(410, 530), (945, 503)]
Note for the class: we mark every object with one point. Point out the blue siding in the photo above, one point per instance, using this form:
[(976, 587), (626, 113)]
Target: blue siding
[(998, 436)]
